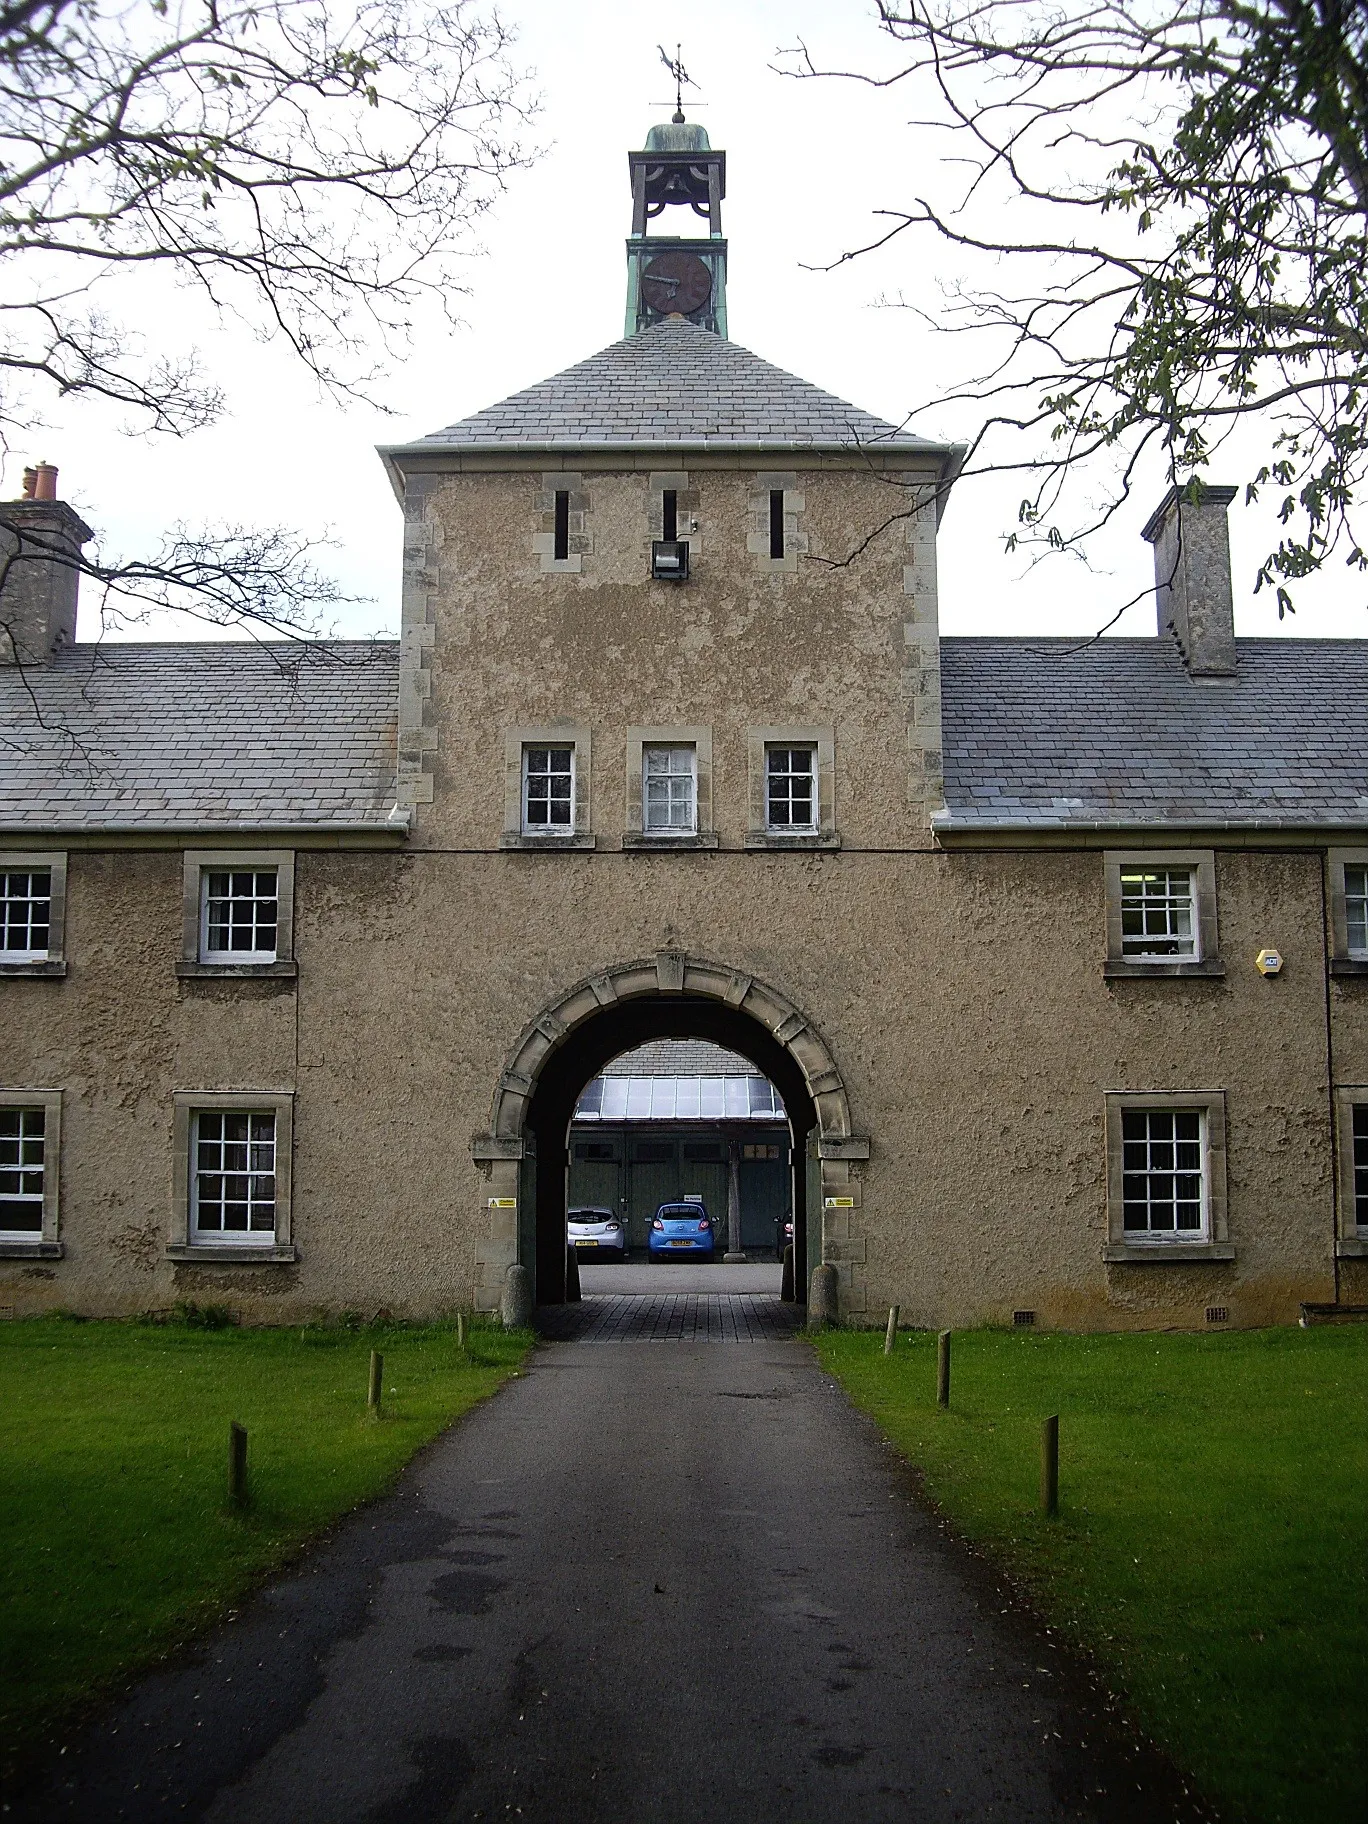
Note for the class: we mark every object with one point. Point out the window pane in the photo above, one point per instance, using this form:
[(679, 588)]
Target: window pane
[(669, 796), (1158, 912), (234, 1180), (22, 1170), (791, 788), (688, 1102), (25, 913), (1356, 909), (1163, 1168), (1361, 1164), (548, 788), (710, 1094), (241, 913)]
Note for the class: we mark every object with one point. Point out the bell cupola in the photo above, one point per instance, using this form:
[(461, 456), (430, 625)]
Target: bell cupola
[(677, 275)]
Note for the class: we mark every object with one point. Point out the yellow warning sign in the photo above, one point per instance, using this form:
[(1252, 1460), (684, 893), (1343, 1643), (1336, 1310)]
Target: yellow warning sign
[(503, 1203), (840, 1203)]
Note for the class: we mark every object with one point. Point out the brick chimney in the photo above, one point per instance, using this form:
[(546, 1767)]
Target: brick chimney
[(40, 551), (1191, 540)]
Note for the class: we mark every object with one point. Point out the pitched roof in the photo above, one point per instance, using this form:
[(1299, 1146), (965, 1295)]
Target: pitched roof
[(675, 384), (680, 1058), (201, 736), (1041, 734)]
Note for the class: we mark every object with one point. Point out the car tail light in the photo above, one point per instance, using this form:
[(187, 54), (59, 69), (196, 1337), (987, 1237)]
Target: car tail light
[(613, 1223), (656, 1223), (705, 1224)]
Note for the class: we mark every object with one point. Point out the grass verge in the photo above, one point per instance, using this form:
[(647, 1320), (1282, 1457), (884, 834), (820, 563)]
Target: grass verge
[(116, 1538), (1209, 1550)]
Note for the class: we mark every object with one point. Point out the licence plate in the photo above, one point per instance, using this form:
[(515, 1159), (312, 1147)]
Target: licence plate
[(681, 1244), (586, 1241)]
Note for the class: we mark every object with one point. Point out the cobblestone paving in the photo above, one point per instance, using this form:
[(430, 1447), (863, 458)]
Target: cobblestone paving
[(670, 1317)]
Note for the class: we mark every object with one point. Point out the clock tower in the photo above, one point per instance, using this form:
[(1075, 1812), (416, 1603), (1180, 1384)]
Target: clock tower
[(672, 275)]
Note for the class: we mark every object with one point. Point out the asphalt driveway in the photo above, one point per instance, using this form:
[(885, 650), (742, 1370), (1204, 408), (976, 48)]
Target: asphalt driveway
[(648, 1581)]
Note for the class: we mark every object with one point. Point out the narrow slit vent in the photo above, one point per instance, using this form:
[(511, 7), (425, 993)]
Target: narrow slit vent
[(776, 522), (562, 544), (1023, 1319), (669, 516)]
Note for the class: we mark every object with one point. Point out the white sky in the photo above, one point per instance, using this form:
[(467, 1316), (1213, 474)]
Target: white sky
[(807, 164)]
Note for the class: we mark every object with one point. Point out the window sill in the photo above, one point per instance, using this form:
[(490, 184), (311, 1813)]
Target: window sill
[(1349, 965), (515, 841), (1352, 1247), (282, 970), (52, 968), (1151, 1253), (31, 1250), (1118, 968), (243, 1256), (636, 840), (771, 839)]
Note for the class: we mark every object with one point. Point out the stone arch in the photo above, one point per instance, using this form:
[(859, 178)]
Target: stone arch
[(670, 973)]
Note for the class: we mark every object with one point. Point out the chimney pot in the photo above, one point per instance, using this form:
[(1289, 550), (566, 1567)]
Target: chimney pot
[(45, 481), (1191, 537), (30, 483)]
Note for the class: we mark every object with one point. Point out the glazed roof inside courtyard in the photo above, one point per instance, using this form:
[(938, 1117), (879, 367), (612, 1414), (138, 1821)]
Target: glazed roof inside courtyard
[(1038, 733), (672, 384)]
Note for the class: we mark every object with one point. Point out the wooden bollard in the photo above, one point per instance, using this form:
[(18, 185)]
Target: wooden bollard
[(943, 1368), (460, 1330), (1049, 1467), (377, 1376), (237, 1464), (890, 1335)]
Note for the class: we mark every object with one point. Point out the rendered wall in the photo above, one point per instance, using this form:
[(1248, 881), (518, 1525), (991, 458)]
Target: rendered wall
[(962, 996)]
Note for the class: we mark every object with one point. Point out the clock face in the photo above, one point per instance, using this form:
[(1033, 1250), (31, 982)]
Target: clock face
[(676, 282)]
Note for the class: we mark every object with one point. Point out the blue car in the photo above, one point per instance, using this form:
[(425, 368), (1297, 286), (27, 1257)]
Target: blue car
[(682, 1229)]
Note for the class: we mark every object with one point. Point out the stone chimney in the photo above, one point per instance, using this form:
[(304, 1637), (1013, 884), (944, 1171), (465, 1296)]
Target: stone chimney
[(1191, 540), (40, 552)]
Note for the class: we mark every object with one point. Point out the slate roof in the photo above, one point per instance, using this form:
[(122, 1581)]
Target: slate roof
[(201, 736), (675, 384), (680, 1058), (1039, 734)]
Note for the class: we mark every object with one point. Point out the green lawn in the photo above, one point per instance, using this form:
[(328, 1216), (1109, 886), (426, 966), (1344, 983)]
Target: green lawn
[(116, 1540), (1212, 1543)]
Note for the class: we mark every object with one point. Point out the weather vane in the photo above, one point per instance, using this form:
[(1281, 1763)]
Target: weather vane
[(675, 66)]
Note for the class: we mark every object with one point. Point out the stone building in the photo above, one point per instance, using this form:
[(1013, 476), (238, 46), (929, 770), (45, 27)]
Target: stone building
[(1055, 955)]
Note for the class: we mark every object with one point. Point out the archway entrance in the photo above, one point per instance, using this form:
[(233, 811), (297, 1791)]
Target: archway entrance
[(672, 996)]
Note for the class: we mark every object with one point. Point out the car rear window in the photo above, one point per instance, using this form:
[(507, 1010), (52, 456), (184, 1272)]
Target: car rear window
[(591, 1215), (683, 1212)]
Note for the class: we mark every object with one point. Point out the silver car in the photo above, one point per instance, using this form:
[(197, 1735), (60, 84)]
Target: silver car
[(594, 1230)]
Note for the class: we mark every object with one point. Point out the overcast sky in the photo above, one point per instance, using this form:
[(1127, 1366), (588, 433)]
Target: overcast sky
[(808, 163)]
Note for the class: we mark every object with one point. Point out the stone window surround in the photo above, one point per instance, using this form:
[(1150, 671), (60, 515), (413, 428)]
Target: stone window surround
[(195, 863), (581, 539), (687, 503), (1217, 1246), (47, 1244), (189, 1102), (823, 739), (1203, 864), (25, 861), (765, 483), (700, 740), (1351, 1241), (562, 734), (1341, 962)]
